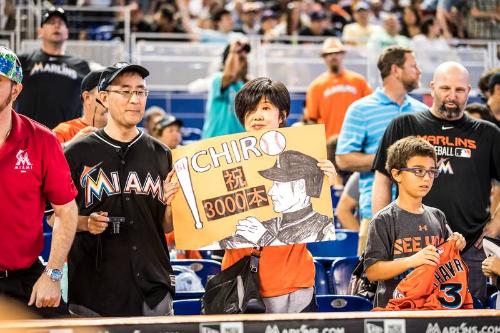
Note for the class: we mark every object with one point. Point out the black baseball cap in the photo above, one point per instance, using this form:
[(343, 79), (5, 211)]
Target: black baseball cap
[(90, 81), (111, 72), (294, 165), (54, 11), (168, 120)]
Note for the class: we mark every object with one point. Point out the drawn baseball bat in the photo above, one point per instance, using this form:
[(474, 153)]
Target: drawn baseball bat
[(182, 169)]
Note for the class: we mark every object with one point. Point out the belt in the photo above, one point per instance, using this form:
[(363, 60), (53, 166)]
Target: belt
[(20, 272)]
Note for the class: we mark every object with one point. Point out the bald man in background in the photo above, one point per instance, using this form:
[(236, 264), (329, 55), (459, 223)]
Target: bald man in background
[(468, 152)]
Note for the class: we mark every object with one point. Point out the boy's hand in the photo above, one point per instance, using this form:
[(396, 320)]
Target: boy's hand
[(459, 240), (427, 256)]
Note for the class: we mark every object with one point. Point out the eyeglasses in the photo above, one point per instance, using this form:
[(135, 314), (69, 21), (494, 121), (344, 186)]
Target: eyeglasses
[(420, 172), (128, 94)]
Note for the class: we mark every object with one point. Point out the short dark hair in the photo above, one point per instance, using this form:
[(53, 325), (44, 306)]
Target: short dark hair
[(481, 109), (252, 92), (217, 14), (393, 55), (426, 24), (400, 152), (483, 83)]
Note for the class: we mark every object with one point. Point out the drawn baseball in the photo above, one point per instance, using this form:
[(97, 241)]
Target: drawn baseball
[(272, 143)]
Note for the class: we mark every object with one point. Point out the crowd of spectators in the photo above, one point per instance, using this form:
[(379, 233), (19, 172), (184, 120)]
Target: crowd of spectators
[(218, 20)]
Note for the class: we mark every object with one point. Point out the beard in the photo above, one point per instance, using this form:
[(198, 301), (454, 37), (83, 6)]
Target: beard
[(335, 68), (6, 102), (410, 85), (450, 113)]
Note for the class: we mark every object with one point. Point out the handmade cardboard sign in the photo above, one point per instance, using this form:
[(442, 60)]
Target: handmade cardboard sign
[(250, 189)]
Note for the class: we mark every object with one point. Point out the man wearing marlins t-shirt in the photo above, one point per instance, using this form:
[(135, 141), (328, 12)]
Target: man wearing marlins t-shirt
[(52, 79), (468, 153), (119, 263)]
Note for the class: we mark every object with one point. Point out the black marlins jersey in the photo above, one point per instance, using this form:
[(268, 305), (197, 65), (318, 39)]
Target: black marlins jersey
[(51, 92), (113, 274)]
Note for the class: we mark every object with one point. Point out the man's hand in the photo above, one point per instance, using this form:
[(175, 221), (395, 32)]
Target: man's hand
[(491, 229), (97, 222), (170, 188), (459, 240), (250, 229), (427, 256), (45, 293), (86, 131), (329, 169), (491, 266)]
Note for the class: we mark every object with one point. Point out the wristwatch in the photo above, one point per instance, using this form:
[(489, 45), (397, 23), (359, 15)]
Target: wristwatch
[(54, 274)]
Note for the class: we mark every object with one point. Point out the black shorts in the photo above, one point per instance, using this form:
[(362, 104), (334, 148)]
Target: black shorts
[(18, 286)]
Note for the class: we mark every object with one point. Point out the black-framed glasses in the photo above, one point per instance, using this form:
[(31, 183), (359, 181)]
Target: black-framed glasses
[(420, 172), (129, 93)]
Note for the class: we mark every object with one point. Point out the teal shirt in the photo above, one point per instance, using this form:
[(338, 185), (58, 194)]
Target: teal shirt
[(220, 118)]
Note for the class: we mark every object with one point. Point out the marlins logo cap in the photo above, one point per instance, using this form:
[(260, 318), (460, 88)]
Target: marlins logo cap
[(10, 67), (53, 11), (110, 73)]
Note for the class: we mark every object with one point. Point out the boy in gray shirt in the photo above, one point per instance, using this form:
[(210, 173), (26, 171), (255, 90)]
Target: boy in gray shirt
[(405, 234)]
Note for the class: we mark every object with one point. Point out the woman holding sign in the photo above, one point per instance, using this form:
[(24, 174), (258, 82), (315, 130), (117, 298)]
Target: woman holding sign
[(286, 273)]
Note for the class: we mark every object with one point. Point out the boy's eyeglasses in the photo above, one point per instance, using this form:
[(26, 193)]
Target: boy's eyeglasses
[(420, 172)]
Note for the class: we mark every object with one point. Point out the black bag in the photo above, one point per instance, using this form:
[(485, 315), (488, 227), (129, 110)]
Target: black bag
[(235, 289), (359, 284)]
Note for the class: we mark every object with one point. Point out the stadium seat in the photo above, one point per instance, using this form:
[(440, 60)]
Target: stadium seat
[(341, 303), (340, 274), (187, 307), (492, 301), (321, 280), (336, 193), (47, 240), (345, 245), (204, 268), (476, 303)]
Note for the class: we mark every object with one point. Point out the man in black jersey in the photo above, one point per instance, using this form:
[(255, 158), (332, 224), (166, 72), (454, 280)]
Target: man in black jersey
[(52, 79), (468, 152), (119, 263)]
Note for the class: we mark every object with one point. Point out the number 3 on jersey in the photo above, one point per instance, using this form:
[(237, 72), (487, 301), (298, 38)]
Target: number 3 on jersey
[(453, 298)]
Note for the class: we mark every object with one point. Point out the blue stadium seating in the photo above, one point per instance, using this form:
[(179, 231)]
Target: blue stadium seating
[(204, 268), (47, 240), (492, 301), (340, 274), (476, 303), (336, 193), (321, 280), (187, 307), (341, 303), (345, 245)]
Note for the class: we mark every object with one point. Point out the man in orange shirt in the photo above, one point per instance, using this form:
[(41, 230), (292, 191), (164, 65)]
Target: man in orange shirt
[(94, 116), (331, 93)]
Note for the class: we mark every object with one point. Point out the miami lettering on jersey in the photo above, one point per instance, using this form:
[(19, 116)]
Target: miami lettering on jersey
[(95, 183)]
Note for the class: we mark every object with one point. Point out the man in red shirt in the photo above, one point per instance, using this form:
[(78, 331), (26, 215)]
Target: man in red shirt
[(33, 170)]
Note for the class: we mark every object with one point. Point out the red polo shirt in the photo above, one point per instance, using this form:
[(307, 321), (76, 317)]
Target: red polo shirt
[(32, 170)]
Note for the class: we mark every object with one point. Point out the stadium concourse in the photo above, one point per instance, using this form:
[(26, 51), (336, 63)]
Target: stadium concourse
[(181, 44)]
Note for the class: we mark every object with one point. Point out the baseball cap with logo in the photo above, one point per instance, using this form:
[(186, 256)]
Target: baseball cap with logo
[(110, 73), (168, 120), (53, 11), (293, 165), (10, 67), (332, 45), (90, 81)]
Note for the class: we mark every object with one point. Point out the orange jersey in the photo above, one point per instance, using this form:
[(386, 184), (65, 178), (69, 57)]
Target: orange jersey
[(282, 269), (67, 130), (181, 254), (329, 96), (441, 287)]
